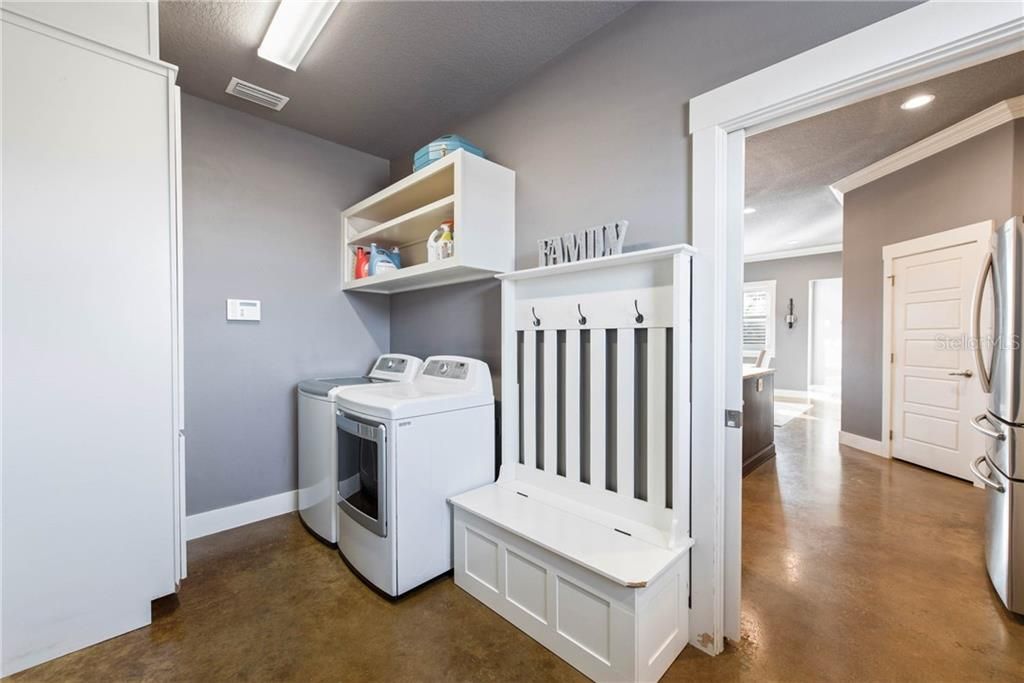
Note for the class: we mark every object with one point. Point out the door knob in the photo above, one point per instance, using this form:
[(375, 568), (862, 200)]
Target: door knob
[(962, 373)]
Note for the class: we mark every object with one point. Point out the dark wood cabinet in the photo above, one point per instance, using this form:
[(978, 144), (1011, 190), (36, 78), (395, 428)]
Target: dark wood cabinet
[(758, 420)]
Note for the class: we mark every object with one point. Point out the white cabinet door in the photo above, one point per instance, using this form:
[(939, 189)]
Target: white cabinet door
[(935, 386), (87, 372)]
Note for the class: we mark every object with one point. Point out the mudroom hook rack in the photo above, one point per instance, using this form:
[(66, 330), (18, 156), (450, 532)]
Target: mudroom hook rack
[(639, 316)]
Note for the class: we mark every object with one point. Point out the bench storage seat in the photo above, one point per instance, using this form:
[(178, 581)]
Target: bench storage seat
[(614, 606), (583, 542)]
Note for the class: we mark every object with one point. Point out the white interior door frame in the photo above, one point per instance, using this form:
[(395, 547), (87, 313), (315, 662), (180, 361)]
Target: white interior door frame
[(923, 42), (969, 234)]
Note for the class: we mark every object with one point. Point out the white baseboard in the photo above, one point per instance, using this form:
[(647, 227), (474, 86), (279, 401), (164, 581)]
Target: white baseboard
[(862, 443), (806, 396), (793, 393), (222, 519)]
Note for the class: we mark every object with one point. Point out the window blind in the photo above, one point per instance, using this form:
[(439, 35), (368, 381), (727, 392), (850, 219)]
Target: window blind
[(756, 318)]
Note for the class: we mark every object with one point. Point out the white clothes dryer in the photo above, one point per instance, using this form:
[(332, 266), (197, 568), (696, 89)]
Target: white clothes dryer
[(403, 450)]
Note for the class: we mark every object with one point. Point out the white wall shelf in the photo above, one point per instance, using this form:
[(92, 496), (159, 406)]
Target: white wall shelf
[(409, 228), (420, 276), (478, 195)]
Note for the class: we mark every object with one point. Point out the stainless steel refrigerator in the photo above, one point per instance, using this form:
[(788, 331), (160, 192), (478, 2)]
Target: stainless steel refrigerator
[(1002, 377)]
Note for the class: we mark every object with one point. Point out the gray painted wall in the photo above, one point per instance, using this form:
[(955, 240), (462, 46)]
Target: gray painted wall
[(791, 276), (966, 184), (461, 319), (600, 132), (261, 206)]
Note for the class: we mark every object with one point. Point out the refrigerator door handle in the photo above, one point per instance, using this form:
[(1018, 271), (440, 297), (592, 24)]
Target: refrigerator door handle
[(996, 486), (990, 433), (979, 289)]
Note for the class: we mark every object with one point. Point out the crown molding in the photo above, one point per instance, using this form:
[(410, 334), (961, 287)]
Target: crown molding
[(836, 194), (982, 122), (792, 253)]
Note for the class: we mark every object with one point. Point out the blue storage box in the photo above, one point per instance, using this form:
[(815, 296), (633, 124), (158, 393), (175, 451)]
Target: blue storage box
[(441, 147)]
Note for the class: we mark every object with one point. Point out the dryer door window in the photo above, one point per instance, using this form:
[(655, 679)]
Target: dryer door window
[(362, 472)]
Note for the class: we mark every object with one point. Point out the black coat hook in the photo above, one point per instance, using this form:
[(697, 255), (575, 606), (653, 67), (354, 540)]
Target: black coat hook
[(583, 318), (536, 320), (639, 316)]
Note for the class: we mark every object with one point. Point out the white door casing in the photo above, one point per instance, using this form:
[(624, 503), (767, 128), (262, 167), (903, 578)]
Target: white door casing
[(934, 386), (924, 42)]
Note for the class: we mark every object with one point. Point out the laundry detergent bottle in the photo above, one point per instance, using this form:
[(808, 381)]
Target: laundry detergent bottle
[(362, 263), (382, 260), (432, 241)]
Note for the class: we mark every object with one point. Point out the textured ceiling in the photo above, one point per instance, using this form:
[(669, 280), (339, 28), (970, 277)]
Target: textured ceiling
[(790, 168), (383, 77)]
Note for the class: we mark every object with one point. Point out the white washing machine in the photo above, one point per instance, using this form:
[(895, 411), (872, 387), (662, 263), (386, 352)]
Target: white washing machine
[(403, 450), (318, 445)]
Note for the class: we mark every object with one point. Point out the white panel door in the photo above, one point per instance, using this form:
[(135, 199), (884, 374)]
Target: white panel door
[(935, 388), (87, 348)]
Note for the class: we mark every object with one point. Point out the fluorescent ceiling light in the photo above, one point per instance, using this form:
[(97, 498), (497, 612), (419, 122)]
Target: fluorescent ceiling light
[(749, 210), (293, 30), (917, 101)]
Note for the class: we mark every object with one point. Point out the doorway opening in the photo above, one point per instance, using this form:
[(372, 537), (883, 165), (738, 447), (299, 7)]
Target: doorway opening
[(730, 148), (825, 338)]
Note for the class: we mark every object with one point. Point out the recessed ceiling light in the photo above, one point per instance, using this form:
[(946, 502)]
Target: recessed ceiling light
[(749, 210), (918, 101), (293, 30), (792, 242)]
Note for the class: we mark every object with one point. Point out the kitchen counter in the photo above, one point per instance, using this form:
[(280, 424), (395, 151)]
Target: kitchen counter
[(758, 417)]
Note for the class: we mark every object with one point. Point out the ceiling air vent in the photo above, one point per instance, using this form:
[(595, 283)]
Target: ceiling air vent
[(254, 93)]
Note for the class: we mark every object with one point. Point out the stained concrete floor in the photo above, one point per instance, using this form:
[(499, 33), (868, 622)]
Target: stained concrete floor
[(854, 568)]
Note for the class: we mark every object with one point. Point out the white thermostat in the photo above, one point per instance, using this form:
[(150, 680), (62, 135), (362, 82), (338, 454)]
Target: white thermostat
[(244, 309)]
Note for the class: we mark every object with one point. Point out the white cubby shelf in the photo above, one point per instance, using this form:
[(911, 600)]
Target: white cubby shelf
[(477, 194)]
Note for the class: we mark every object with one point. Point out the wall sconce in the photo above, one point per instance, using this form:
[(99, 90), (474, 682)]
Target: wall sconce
[(790, 317)]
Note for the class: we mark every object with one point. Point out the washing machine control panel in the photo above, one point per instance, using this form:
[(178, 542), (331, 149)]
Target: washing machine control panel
[(449, 369), (390, 364)]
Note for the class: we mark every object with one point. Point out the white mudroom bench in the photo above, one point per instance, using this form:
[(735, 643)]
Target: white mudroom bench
[(583, 541)]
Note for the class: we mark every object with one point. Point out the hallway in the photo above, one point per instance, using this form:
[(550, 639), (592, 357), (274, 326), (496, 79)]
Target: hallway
[(855, 568), (860, 568)]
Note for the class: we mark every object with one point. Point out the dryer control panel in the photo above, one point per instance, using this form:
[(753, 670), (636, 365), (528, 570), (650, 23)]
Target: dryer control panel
[(391, 364), (396, 367), (449, 369)]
